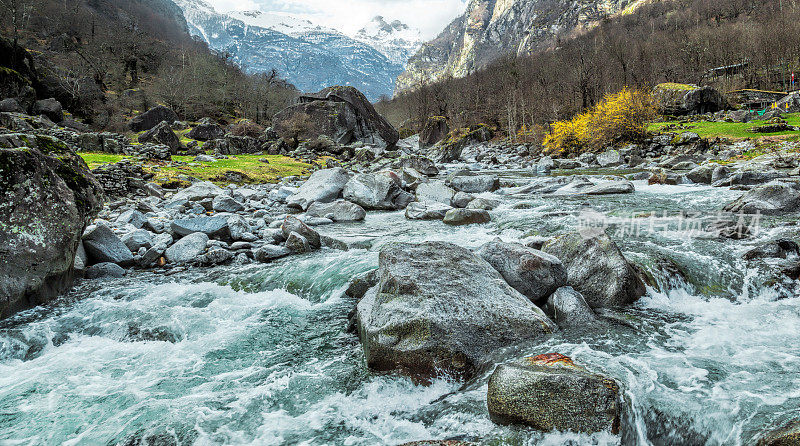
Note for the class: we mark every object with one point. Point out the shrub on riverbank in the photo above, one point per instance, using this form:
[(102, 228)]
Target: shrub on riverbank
[(618, 117)]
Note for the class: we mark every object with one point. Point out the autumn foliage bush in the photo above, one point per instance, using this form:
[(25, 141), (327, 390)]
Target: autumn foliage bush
[(619, 117)]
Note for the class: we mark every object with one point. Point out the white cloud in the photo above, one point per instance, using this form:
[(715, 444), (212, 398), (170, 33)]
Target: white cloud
[(430, 16)]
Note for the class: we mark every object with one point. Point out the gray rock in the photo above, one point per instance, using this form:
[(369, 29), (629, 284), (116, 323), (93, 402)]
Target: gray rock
[(533, 273), (215, 227), (268, 253), (609, 158), (426, 210), (102, 245), (297, 244), (786, 435), (777, 249), (359, 285), (132, 217), (187, 249), (440, 309), (421, 164), (105, 270), (293, 224), (206, 130), (775, 198), (610, 187), (483, 203), (323, 186), (435, 191), (11, 105), (702, 174), (462, 199), (549, 392), (475, 184), (162, 134), (137, 239), (460, 217), (226, 203), (151, 118), (568, 308), (81, 260), (376, 192), (216, 256), (339, 210), (197, 191), (50, 108), (597, 269)]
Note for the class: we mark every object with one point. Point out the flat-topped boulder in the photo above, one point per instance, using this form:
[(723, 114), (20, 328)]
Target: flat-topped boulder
[(440, 309), (151, 118), (550, 392), (324, 186), (775, 198)]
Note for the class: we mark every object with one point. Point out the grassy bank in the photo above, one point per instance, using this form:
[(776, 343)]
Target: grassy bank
[(731, 130), (252, 167)]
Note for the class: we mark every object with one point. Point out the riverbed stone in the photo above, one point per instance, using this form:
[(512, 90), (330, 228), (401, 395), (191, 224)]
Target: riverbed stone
[(323, 186), (549, 392), (297, 243), (132, 217), (137, 239), (197, 191), (102, 245), (610, 187), (268, 253), (486, 204), (339, 210), (460, 217), (475, 184), (376, 191), (568, 308), (426, 210), (597, 269), (775, 198), (533, 273), (106, 270), (226, 203), (435, 191), (462, 199), (188, 248), (440, 309), (293, 224), (215, 227), (609, 158)]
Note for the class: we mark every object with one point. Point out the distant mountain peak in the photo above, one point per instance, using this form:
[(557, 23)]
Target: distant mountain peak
[(394, 39)]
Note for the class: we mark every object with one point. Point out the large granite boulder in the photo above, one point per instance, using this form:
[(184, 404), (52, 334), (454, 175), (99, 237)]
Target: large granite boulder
[(461, 217), (323, 186), (435, 191), (775, 198), (421, 164), (151, 118), (103, 246), (376, 191), (597, 269), (426, 210), (187, 249), (450, 148), (475, 184), (435, 130), (162, 134), (50, 108), (47, 197), (685, 99), (341, 113), (440, 309), (549, 392), (533, 273), (206, 130), (568, 308)]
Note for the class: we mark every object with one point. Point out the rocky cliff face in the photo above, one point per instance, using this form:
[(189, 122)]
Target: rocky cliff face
[(490, 28)]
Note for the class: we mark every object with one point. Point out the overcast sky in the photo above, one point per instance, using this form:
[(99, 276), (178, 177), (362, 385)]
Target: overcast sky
[(430, 16)]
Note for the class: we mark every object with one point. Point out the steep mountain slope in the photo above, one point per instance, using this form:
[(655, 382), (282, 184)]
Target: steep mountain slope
[(490, 28), (395, 40), (310, 57)]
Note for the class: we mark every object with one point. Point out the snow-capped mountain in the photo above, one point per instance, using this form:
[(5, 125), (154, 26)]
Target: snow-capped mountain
[(309, 56), (395, 39)]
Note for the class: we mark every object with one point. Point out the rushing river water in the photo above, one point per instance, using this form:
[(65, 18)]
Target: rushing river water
[(259, 355)]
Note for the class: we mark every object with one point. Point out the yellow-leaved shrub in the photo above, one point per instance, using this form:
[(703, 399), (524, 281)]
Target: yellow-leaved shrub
[(617, 118)]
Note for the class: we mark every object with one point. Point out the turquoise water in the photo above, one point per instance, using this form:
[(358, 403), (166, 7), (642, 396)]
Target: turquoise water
[(259, 354)]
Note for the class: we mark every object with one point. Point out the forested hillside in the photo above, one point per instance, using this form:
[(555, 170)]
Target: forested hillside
[(106, 60), (728, 44)]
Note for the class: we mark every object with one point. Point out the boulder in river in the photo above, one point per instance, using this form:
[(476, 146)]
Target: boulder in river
[(550, 392), (533, 273), (376, 191), (475, 184), (421, 164), (775, 198), (151, 118), (323, 186), (105, 270), (426, 210), (188, 248), (293, 224), (597, 269), (461, 217), (343, 114), (435, 191), (215, 227), (47, 197), (568, 308), (438, 309), (339, 210)]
